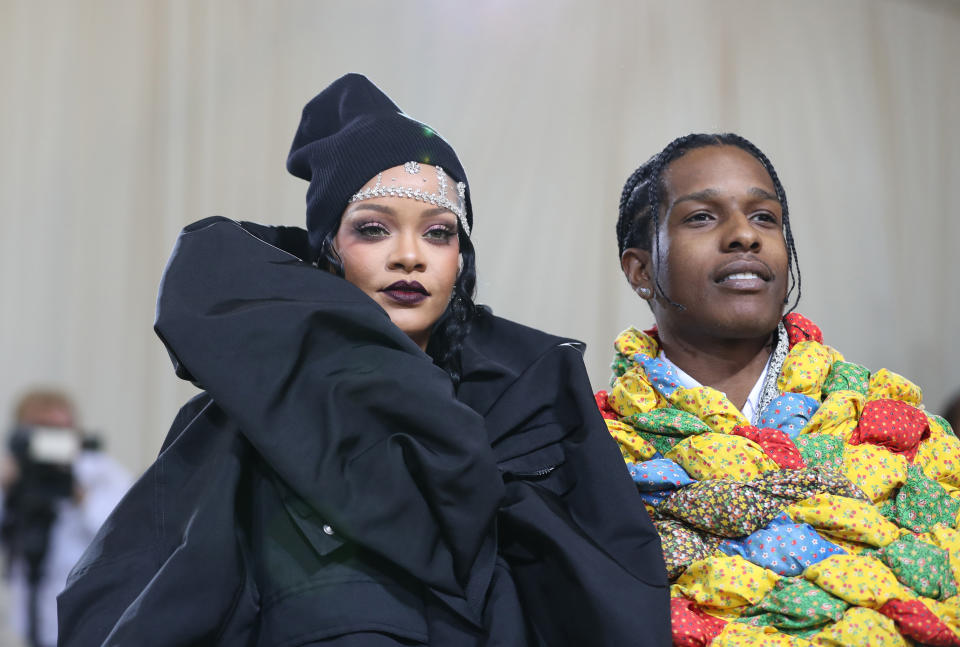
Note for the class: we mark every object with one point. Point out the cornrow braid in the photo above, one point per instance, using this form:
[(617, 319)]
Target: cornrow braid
[(638, 221)]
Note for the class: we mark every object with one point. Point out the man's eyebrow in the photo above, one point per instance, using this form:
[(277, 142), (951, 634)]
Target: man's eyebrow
[(698, 196), (757, 192), (707, 194)]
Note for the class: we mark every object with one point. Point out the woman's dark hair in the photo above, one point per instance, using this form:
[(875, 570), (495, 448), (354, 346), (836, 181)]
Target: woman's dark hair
[(446, 339), (642, 200)]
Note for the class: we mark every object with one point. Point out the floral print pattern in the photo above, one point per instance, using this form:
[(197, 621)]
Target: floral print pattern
[(832, 522)]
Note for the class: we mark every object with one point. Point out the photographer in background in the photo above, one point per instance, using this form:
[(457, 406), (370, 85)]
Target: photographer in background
[(58, 488)]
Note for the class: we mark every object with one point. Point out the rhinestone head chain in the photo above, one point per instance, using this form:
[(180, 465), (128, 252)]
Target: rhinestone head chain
[(445, 197)]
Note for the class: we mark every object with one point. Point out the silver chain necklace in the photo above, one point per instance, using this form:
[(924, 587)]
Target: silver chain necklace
[(769, 390)]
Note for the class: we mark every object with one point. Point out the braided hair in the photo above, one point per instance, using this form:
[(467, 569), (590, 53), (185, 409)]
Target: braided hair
[(446, 339), (641, 202)]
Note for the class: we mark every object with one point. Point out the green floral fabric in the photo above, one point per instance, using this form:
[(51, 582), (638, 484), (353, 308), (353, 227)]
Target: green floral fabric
[(795, 605), (846, 376), (922, 503), (822, 450), (663, 444), (668, 422), (921, 566)]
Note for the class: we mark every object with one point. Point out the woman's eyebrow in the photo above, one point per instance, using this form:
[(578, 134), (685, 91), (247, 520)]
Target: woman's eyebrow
[(381, 208), (375, 207), (435, 211)]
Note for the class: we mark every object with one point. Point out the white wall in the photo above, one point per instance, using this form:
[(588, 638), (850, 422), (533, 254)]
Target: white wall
[(122, 120)]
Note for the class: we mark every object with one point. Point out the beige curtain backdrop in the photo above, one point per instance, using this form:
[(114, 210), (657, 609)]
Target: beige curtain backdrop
[(123, 120)]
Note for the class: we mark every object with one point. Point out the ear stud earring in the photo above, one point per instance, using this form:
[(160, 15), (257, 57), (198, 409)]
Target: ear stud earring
[(644, 292)]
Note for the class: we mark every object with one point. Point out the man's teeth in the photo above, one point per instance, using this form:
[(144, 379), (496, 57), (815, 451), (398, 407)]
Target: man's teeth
[(742, 275)]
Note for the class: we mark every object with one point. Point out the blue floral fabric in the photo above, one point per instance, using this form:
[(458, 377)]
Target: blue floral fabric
[(661, 372), (789, 412), (658, 474), (785, 547)]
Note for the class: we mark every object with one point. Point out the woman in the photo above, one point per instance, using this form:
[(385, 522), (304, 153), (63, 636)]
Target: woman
[(375, 460), (797, 495)]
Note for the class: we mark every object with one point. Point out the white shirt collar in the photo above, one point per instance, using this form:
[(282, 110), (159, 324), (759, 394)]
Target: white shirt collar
[(749, 409)]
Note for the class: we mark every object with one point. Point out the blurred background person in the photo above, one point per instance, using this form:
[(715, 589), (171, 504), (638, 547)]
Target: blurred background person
[(58, 487)]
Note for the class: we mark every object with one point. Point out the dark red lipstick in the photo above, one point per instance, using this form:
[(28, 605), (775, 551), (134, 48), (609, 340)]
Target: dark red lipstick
[(408, 293)]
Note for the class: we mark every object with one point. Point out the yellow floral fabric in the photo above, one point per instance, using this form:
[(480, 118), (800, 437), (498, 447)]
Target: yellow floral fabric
[(805, 370), (738, 634), (858, 580), (845, 518), (947, 539), (632, 341), (714, 455), (939, 455), (711, 406), (878, 472), (725, 582), (633, 446), (886, 384), (632, 393), (838, 414), (861, 627)]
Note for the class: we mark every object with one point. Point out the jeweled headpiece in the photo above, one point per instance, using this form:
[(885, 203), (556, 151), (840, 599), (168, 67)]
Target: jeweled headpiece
[(451, 199)]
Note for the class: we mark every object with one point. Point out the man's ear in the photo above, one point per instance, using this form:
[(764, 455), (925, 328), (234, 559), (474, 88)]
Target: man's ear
[(637, 267)]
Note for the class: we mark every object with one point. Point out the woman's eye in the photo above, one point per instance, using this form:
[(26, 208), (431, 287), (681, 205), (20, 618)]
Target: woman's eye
[(372, 230), (441, 233)]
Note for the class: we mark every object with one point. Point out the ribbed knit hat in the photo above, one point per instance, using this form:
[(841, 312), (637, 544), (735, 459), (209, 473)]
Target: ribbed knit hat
[(350, 132)]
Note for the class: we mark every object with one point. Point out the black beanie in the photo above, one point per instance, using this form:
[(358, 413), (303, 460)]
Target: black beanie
[(350, 132)]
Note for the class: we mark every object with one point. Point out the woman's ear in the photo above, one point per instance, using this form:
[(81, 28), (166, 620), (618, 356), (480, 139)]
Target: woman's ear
[(636, 266)]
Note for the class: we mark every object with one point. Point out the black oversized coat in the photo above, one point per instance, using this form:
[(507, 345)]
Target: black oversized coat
[(331, 487)]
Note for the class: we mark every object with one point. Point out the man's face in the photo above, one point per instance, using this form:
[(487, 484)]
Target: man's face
[(47, 415), (722, 251)]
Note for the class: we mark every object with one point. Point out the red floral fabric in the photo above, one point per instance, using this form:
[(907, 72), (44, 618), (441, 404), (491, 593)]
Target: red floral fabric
[(892, 424), (653, 332), (603, 403), (776, 444), (691, 626), (916, 621), (799, 329)]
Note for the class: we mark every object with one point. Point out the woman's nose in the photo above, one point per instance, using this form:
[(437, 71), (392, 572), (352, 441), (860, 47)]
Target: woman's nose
[(407, 254)]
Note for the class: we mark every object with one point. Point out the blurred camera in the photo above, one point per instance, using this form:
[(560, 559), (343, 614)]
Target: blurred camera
[(44, 458)]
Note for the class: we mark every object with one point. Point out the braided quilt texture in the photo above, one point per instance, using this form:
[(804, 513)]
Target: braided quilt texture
[(831, 522)]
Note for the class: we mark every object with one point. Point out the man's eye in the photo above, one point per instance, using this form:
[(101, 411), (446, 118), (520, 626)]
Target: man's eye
[(700, 216), (766, 216)]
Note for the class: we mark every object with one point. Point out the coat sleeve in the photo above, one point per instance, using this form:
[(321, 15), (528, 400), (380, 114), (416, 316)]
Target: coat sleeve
[(345, 408), (172, 532), (586, 558)]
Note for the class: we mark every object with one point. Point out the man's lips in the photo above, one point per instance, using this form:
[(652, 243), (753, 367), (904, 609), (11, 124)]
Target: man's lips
[(743, 270), (406, 292), (744, 276)]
